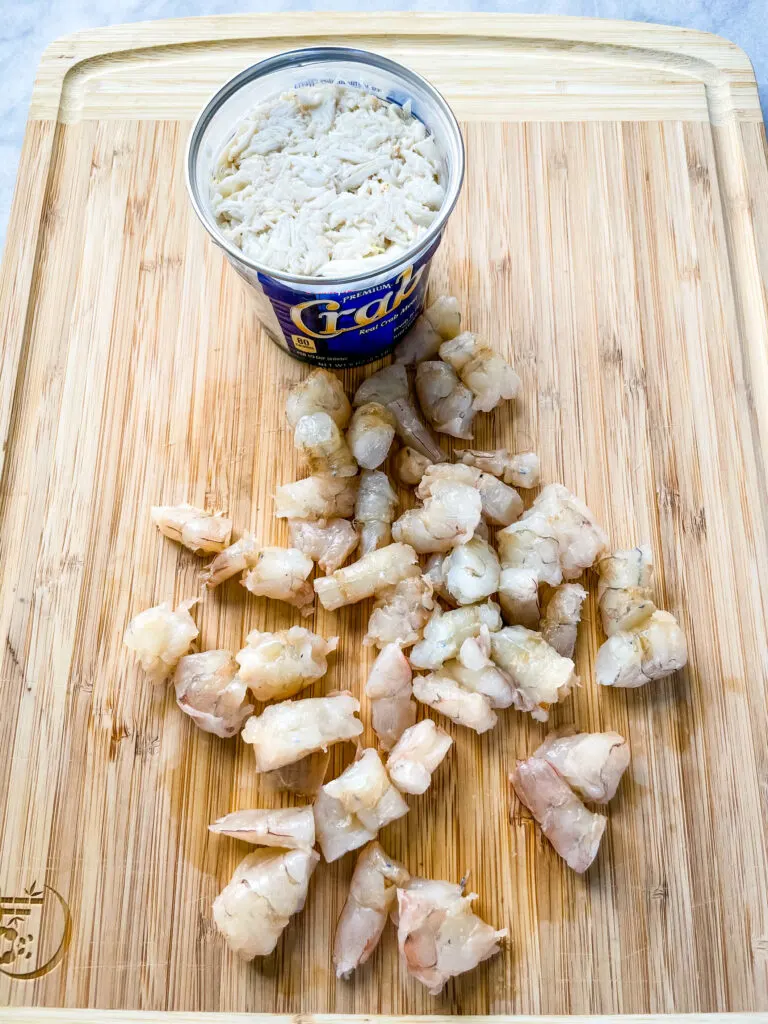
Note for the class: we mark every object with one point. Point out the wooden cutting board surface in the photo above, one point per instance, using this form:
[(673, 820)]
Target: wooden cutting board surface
[(612, 239)]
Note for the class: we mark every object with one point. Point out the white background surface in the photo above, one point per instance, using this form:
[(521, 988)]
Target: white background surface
[(27, 26)]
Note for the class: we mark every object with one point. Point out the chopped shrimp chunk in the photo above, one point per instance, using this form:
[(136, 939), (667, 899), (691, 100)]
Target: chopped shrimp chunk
[(389, 690), (198, 530), (209, 690), (291, 828), (278, 665), (416, 755), (286, 732), (160, 637), (369, 576)]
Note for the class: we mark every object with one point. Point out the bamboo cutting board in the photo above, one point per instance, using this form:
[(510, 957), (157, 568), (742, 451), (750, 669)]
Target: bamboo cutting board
[(612, 239)]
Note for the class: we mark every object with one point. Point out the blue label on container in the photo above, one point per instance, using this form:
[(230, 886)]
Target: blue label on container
[(349, 328)]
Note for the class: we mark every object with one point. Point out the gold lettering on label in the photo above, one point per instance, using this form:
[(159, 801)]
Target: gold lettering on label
[(381, 308)]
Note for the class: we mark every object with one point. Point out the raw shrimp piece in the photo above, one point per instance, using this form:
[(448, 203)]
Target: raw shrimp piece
[(291, 828), (400, 614), (436, 475), (286, 732), (654, 649), (446, 632), (448, 517), (281, 573), (278, 665), (416, 755), (486, 373), (532, 547), (209, 690), (574, 831), (304, 776), (409, 466), (317, 497), (444, 400), (433, 573), (329, 542), (624, 590), (198, 530), (541, 677), (266, 890), (438, 935), (241, 555), (374, 510), (160, 636), (501, 504), (321, 391), (372, 896), (357, 804), (521, 470), (519, 597), (370, 434), (389, 690), (368, 576), (440, 691), (471, 572), (322, 443), (581, 541), (390, 387), (474, 670), (562, 616), (592, 763), (482, 531), (438, 323)]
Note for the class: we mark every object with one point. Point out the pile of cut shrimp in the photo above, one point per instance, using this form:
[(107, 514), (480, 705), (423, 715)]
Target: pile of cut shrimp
[(464, 625)]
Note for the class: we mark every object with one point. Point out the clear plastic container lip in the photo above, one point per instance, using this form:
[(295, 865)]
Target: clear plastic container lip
[(428, 104)]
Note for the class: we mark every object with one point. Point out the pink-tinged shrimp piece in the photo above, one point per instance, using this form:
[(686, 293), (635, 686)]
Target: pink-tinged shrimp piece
[(438, 935), (198, 530), (209, 690), (592, 763), (291, 828), (160, 636), (389, 690), (329, 542), (238, 557), (268, 887), (440, 691), (521, 470), (574, 831), (281, 573), (372, 896), (416, 755), (286, 732)]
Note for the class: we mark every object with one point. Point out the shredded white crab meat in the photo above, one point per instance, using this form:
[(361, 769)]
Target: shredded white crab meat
[(286, 732), (372, 897), (321, 391), (327, 180), (323, 445), (304, 777), (267, 889), (438, 935), (540, 675), (369, 576), (329, 542), (439, 690), (624, 591), (501, 504), (238, 557), (281, 573), (446, 632), (350, 810), (471, 571), (317, 497), (448, 517), (209, 690), (486, 373), (370, 434), (444, 400), (390, 387), (279, 665), (400, 614), (200, 531), (374, 510), (652, 650), (160, 636), (574, 831), (291, 828), (562, 615), (389, 690), (519, 470), (409, 466), (438, 323), (592, 763), (474, 670), (416, 755)]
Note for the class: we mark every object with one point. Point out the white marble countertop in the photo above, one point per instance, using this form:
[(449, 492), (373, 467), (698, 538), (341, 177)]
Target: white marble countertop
[(29, 25)]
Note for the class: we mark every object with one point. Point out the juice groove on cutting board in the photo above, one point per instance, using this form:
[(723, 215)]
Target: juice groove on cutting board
[(611, 240)]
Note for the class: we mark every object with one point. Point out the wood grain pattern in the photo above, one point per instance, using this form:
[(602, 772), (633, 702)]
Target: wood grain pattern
[(620, 263)]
